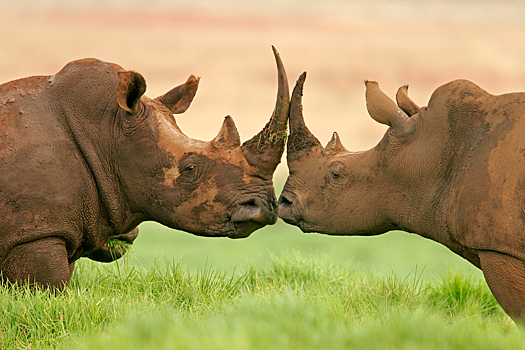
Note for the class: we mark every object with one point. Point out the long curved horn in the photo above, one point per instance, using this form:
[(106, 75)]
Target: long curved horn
[(266, 148), (301, 141)]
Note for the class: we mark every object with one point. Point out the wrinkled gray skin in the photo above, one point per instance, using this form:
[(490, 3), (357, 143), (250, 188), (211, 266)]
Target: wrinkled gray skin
[(85, 157), (453, 172)]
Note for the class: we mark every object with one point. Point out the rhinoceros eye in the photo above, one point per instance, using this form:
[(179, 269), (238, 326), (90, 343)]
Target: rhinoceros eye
[(335, 175), (190, 168)]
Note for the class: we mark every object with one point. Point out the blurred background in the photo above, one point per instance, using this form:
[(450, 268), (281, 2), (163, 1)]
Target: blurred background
[(340, 43)]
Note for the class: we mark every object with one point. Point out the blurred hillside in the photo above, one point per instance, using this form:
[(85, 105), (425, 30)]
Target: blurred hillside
[(339, 43), (484, 11)]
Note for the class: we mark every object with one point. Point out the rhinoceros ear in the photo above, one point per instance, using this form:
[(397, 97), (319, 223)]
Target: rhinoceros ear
[(334, 145), (178, 99), (385, 111), (130, 88), (228, 136), (405, 103)]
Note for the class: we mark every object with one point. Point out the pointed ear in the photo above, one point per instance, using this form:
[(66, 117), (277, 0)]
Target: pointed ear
[(130, 88), (385, 111), (405, 103), (228, 136), (178, 99), (334, 145)]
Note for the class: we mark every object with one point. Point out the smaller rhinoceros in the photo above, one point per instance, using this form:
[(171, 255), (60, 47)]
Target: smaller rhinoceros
[(85, 157), (453, 172)]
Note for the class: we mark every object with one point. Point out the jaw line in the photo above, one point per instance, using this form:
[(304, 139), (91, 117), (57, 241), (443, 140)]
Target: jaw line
[(236, 230), (229, 230), (300, 223), (303, 226)]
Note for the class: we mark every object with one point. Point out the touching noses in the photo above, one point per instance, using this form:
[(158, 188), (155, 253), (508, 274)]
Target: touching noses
[(284, 203), (286, 208)]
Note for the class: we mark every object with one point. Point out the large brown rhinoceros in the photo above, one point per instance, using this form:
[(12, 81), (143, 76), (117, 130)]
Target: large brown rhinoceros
[(85, 157), (453, 172)]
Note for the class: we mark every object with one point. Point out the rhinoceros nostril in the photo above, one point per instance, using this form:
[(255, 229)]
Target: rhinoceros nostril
[(253, 210), (287, 212), (284, 202)]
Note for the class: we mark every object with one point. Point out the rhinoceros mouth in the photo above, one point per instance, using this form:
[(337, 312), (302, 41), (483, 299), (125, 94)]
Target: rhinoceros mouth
[(306, 227), (287, 210), (290, 220), (303, 225), (288, 213), (256, 210), (251, 214), (243, 229)]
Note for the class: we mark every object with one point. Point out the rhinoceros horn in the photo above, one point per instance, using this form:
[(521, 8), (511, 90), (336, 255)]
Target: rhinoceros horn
[(228, 136), (265, 149), (301, 141), (334, 145)]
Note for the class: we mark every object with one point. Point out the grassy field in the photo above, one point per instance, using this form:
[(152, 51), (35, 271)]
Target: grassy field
[(292, 302), (395, 252), (279, 289)]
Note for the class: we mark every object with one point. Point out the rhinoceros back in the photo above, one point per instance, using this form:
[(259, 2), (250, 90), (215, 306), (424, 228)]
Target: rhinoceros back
[(44, 184)]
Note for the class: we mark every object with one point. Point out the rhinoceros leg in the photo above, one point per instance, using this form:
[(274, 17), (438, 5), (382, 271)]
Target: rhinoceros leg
[(505, 276), (43, 262)]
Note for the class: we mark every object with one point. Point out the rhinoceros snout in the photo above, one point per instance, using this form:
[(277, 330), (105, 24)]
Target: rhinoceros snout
[(254, 210), (286, 211)]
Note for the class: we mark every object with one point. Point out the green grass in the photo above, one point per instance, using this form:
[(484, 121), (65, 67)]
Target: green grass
[(396, 251), (278, 289), (294, 301), (118, 246)]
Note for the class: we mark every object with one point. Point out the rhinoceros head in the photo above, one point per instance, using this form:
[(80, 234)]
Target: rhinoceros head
[(331, 190), (215, 188)]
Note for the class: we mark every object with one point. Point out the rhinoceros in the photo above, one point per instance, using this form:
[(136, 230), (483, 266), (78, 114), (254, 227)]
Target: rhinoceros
[(85, 157), (453, 172)]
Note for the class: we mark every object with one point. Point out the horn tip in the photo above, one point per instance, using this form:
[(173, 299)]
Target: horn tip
[(276, 55), (302, 77), (275, 51), (403, 88), (193, 78), (299, 84), (228, 119)]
